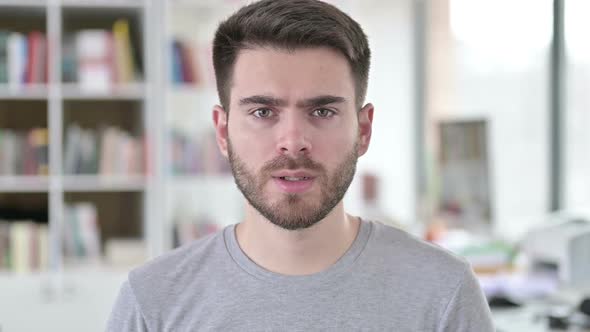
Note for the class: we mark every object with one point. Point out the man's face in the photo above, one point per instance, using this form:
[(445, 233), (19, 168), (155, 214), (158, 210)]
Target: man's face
[(294, 135)]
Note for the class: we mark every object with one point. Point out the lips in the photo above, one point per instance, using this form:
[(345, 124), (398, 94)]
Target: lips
[(293, 178), (293, 175), (293, 181)]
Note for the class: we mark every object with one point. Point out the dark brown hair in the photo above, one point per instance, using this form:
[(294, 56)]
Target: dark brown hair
[(289, 25)]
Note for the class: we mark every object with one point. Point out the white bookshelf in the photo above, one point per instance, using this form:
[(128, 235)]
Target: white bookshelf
[(23, 184), (30, 92), (98, 183), (36, 4), (158, 105), (108, 4), (201, 195), (62, 102), (135, 91)]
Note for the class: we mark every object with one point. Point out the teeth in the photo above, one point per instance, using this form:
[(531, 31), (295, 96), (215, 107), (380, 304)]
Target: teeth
[(289, 178)]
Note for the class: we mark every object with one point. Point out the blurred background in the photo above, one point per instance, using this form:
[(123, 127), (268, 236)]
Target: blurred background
[(481, 144)]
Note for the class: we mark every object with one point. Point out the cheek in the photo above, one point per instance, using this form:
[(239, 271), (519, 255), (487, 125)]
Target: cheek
[(331, 149), (251, 145)]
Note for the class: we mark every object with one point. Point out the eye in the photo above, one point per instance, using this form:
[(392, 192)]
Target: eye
[(262, 113), (323, 113)]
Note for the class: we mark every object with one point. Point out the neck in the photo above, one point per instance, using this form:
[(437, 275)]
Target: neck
[(300, 252)]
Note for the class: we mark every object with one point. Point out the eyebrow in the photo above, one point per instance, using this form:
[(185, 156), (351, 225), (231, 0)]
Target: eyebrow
[(320, 101), (276, 102), (263, 100)]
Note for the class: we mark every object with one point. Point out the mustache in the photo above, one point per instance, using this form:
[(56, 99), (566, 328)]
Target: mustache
[(285, 162)]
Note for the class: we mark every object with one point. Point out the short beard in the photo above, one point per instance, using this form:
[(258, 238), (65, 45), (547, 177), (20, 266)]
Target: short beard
[(293, 213)]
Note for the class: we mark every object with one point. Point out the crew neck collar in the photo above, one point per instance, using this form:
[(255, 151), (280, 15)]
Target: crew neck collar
[(343, 264)]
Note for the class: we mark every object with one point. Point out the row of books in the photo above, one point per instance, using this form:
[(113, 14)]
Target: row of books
[(195, 155), (24, 246), (186, 232), (98, 58), (23, 58), (81, 234), (24, 152), (185, 63), (105, 151)]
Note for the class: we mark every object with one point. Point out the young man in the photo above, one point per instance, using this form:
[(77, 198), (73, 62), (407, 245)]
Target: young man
[(292, 77)]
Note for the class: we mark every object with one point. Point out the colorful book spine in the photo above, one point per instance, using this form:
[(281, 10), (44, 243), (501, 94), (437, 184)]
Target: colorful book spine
[(196, 154), (18, 54), (24, 246), (124, 63), (37, 56), (4, 36), (185, 64), (109, 151), (81, 234), (100, 58), (24, 153)]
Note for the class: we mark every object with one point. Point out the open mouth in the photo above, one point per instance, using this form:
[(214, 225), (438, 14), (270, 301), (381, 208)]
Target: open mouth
[(294, 184), (292, 178)]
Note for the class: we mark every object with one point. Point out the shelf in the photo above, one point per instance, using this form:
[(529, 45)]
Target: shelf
[(103, 3), (175, 89), (23, 3), (94, 183), (23, 183), (73, 91), (134, 91), (184, 181), (201, 177), (24, 92), (207, 6)]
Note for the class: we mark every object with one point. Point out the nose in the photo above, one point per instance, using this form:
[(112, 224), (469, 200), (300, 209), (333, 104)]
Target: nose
[(293, 139)]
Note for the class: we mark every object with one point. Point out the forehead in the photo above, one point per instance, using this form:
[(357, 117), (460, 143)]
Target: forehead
[(297, 74)]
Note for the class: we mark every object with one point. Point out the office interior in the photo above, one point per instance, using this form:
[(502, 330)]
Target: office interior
[(481, 145)]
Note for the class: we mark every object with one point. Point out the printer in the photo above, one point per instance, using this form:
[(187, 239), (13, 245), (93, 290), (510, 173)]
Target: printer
[(562, 243)]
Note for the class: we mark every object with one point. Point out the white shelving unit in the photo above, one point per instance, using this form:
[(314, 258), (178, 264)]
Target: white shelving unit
[(78, 297), (65, 102), (31, 92), (200, 196), (135, 91), (24, 184)]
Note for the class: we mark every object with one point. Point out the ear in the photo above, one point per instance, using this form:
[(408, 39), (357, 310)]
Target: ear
[(220, 123), (365, 120)]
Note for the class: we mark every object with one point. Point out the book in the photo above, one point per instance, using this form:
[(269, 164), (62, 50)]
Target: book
[(24, 152), (39, 139), (5, 245), (20, 246), (190, 230), (100, 58), (108, 151), (4, 35), (37, 56), (176, 62), (81, 235), (18, 54), (69, 62), (24, 246), (94, 58), (123, 52), (43, 245), (185, 64), (196, 154)]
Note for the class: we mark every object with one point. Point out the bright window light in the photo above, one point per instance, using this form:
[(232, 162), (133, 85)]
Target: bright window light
[(507, 32), (577, 27)]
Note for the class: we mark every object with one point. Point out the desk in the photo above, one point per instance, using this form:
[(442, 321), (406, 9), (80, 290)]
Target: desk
[(529, 318)]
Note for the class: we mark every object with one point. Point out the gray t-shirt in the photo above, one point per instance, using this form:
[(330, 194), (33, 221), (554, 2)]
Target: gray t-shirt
[(386, 281)]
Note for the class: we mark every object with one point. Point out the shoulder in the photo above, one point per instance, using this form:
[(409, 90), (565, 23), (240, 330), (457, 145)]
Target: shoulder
[(178, 260), (413, 257), (429, 275), (160, 280)]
